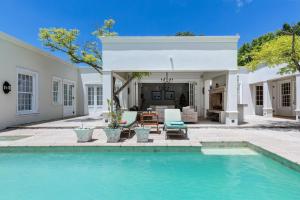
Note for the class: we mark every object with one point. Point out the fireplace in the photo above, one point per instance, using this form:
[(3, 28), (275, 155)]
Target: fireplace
[(216, 99)]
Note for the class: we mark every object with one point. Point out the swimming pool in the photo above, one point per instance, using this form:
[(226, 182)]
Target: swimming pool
[(144, 175)]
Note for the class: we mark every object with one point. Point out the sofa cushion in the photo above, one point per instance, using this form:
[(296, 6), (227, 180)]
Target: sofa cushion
[(186, 109)]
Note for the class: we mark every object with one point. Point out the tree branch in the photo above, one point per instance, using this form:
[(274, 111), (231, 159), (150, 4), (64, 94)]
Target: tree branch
[(124, 85)]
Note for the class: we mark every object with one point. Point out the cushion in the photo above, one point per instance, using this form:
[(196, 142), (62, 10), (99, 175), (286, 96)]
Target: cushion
[(179, 126), (177, 123), (123, 122), (186, 109)]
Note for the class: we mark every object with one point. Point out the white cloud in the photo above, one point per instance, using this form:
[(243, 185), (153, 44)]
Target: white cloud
[(241, 3)]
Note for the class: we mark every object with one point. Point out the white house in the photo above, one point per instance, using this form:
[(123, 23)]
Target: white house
[(43, 87), (196, 62), (268, 93), (200, 72)]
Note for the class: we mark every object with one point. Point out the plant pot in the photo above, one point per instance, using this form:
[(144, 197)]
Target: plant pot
[(112, 134), (142, 134), (84, 134)]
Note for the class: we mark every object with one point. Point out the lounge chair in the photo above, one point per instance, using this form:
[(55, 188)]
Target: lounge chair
[(128, 119), (173, 122)]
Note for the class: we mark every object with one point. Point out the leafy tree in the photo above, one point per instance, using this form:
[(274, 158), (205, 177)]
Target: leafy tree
[(185, 33), (245, 51), (272, 49), (64, 40)]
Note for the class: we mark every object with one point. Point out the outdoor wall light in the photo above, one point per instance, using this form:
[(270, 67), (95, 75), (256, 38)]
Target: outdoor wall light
[(6, 87)]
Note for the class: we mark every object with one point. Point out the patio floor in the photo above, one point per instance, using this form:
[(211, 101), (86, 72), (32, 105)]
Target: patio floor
[(251, 121)]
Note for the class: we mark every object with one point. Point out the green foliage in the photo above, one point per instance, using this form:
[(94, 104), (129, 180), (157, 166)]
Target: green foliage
[(245, 52), (140, 75), (272, 49), (115, 116), (63, 40), (106, 29), (185, 33), (275, 52)]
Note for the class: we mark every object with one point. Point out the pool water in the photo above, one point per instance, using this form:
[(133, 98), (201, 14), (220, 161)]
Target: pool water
[(144, 175)]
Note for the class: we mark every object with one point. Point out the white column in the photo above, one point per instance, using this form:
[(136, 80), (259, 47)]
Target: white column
[(207, 84), (297, 98), (267, 104), (231, 99), (107, 88)]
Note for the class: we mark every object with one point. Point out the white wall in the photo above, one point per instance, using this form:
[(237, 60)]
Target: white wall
[(14, 54), (200, 53), (88, 76), (251, 79)]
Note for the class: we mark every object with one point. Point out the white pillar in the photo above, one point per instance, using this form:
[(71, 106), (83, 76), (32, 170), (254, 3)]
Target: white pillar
[(231, 99), (267, 104), (207, 84), (107, 88), (297, 98)]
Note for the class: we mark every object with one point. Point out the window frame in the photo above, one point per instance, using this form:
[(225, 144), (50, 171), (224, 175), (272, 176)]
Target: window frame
[(286, 95), (259, 101), (34, 106), (91, 96), (99, 96), (59, 92)]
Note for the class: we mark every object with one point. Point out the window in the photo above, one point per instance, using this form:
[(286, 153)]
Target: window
[(259, 95), (71, 87), (90, 96), (26, 92), (56, 91), (286, 94), (99, 96), (65, 94)]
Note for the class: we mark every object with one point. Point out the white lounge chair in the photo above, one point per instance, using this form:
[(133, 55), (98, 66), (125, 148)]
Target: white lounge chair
[(173, 122)]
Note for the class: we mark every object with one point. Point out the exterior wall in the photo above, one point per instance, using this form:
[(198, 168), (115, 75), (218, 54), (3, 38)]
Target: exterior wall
[(15, 54), (88, 77), (169, 53), (268, 77)]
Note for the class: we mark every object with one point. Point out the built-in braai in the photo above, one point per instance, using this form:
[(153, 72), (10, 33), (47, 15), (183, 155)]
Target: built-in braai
[(216, 97), (216, 104)]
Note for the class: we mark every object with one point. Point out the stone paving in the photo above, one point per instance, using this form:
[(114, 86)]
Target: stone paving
[(251, 121), (281, 140)]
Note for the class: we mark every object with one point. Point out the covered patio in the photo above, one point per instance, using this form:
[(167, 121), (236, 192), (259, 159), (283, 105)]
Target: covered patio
[(197, 75)]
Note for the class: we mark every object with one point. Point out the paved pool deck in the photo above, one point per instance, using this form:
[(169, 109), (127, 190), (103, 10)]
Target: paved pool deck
[(278, 136)]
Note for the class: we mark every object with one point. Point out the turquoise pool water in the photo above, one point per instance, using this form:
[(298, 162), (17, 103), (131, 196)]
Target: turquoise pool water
[(144, 175)]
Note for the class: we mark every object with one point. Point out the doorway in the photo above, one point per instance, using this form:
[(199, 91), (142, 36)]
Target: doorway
[(95, 99), (69, 99)]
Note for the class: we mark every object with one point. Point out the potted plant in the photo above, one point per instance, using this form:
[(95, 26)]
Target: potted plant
[(113, 130), (142, 134), (84, 134)]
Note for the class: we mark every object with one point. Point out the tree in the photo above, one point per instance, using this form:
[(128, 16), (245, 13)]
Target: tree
[(64, 40), (273, 49), (185, 33)]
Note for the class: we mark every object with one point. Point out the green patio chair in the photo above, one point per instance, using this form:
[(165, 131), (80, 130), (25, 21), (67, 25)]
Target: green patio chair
[(173, 122), (130, 118)]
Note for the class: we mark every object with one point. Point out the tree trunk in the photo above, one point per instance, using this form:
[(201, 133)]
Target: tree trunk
[(115, 93), (123, 86)]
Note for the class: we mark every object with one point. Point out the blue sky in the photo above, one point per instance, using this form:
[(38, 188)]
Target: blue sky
[(248, 18)]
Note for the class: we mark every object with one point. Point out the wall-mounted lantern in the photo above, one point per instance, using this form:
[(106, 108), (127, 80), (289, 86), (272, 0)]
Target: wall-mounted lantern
[(6, 87)]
